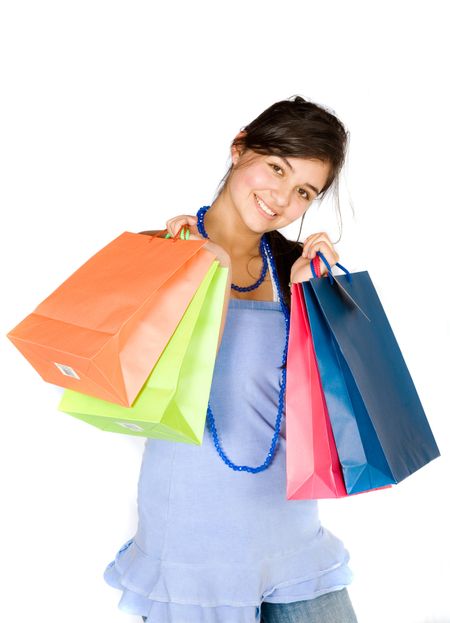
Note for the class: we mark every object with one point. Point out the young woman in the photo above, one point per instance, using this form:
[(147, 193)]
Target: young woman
[(217, 540)]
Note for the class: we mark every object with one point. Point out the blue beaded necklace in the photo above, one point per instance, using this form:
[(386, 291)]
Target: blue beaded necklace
[(265, 252)]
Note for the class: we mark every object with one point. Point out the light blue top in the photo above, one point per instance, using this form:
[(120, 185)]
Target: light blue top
[(213, 543)]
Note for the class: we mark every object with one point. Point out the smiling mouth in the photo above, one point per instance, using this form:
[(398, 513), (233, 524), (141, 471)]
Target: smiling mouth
[(264, 207)]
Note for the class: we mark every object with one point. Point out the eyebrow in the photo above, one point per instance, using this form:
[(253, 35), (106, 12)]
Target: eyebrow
[(290, 166)]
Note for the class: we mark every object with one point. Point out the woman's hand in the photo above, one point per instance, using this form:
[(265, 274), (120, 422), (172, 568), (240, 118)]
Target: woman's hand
[(301, 269), (175, 224)]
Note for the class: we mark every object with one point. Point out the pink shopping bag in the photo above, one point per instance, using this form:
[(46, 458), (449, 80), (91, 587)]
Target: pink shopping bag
[(312, 462)]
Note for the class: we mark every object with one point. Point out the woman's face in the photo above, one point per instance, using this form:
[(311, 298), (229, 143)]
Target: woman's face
[(284, 186)]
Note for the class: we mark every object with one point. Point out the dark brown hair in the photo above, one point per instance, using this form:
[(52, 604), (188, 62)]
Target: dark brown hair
[(302, 129)]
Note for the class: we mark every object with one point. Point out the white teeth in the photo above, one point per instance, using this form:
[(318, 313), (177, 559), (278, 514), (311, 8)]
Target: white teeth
[(264, 207)]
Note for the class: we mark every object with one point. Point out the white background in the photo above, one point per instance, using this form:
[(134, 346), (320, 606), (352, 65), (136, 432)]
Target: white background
[(118, 115)]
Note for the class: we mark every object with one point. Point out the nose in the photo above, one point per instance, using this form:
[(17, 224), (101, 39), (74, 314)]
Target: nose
[(280, 197)]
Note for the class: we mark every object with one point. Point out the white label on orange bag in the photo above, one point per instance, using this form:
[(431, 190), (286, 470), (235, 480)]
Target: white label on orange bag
[(130, 426), (67, 370)]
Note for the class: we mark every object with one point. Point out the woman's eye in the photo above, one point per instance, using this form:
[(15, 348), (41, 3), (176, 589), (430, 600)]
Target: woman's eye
[(275, 166), (306, 195)]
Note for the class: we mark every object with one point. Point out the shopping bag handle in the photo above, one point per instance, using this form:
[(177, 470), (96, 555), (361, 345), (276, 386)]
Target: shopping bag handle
[(327, 264), (180, 235)]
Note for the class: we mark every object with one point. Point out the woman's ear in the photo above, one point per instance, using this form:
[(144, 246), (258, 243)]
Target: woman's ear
[(237, 150), (235, 154)]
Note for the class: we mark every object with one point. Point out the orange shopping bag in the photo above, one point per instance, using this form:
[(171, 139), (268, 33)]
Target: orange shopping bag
[(103, 329)]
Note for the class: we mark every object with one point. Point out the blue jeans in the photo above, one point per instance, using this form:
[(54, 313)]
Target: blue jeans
[(333, 607)]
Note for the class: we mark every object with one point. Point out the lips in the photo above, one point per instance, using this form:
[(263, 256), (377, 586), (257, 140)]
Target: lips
[(268, 216)]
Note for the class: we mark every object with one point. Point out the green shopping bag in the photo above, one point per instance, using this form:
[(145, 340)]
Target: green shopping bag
[(173, 401)]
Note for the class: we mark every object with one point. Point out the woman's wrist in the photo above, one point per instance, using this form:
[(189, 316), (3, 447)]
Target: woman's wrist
[(301, 274)]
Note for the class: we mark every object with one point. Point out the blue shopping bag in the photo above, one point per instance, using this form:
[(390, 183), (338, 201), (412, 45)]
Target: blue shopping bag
[(381, 431)]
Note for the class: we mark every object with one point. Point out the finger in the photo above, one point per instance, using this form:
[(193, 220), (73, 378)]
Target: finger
[(307, 240), (176, 221), (314, 238), (321, 235), (173, 225), (330, 255), (181, 217)]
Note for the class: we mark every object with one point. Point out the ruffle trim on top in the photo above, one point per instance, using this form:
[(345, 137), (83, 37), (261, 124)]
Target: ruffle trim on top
[(171, 592)]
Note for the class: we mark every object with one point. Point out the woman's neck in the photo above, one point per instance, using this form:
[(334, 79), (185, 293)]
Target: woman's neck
[(225, 227)]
